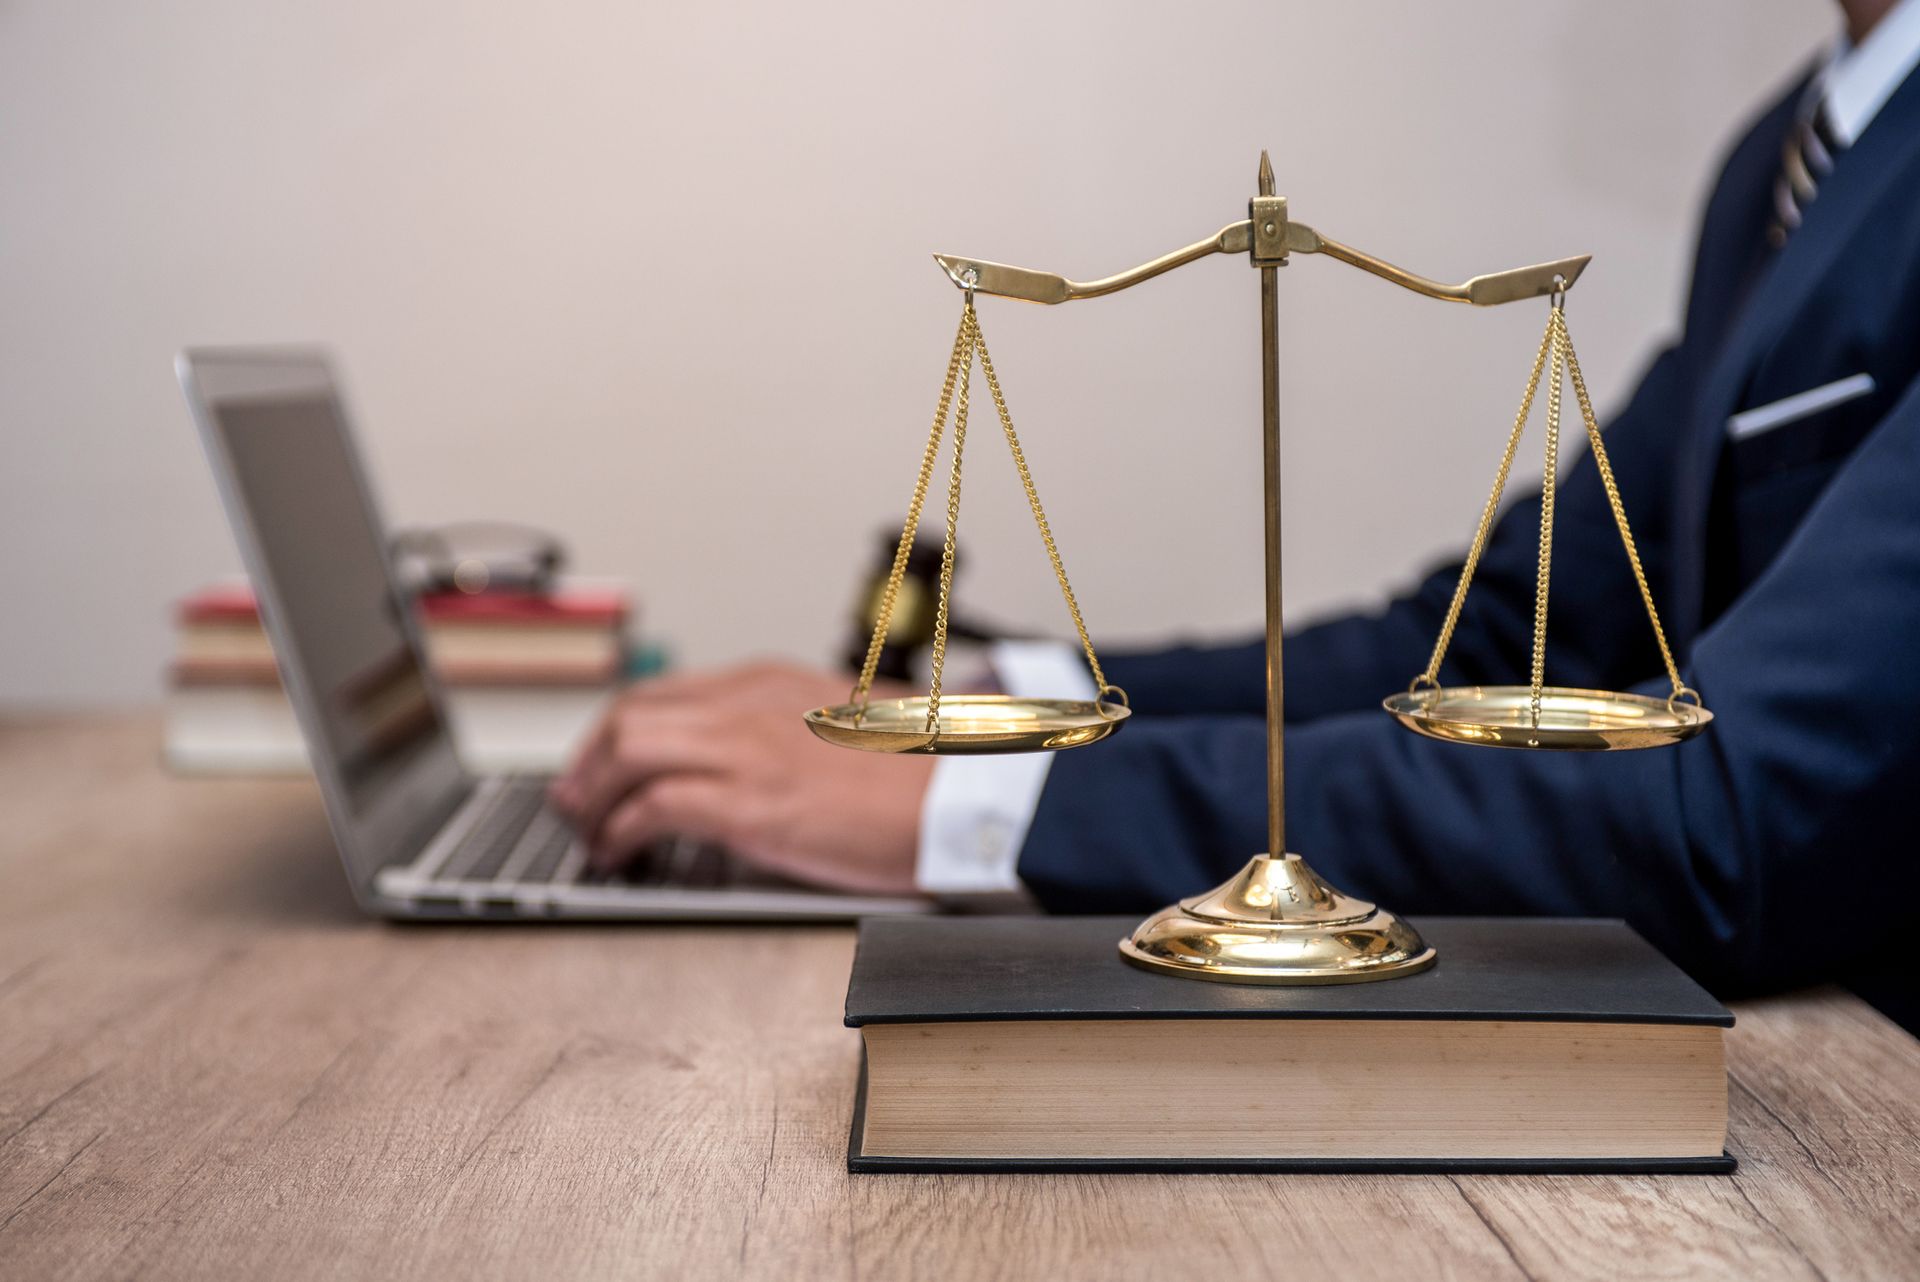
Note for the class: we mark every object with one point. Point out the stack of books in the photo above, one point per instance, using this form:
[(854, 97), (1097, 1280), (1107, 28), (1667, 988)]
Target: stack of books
[(524, 675)]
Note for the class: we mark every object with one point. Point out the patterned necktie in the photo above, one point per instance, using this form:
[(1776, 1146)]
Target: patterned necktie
[(1806, 158)]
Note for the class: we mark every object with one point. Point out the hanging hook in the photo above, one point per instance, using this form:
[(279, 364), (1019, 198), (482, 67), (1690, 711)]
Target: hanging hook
[(1557, 300), (969, 277)]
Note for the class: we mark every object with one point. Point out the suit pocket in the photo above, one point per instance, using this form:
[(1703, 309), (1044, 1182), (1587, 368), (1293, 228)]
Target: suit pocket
[(1788, 410), (1818, 426)]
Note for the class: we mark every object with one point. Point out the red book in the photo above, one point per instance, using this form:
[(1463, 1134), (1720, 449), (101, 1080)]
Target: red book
[(192, 670), (224, 603), (569, 606)]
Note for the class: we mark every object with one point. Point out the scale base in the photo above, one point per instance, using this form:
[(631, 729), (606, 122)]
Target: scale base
[(1277, 922)]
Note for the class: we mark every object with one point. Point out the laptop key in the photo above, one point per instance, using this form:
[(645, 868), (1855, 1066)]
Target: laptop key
[(681, 863), (493, 840), (545, 863)]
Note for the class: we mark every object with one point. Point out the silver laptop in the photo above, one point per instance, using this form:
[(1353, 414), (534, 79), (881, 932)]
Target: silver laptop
[(419, 835)]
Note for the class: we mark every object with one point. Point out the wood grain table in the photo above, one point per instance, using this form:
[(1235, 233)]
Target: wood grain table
[(212, 1066)]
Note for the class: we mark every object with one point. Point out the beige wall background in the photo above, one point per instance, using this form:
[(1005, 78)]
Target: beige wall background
[(657, 277)]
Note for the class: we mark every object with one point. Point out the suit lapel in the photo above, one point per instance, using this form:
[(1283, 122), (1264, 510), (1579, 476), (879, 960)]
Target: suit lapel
[(1865, 175)]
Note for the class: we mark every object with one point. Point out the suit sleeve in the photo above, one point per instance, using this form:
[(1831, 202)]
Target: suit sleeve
[(1730, 851), (1351, 663)]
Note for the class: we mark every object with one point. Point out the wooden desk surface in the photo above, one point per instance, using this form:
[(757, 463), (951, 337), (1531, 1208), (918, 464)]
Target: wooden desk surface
[(211, 1066)]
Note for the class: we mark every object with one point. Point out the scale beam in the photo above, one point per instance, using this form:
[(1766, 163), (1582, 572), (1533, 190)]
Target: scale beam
[(1537, 281), (1027, 285), (1030, 286)]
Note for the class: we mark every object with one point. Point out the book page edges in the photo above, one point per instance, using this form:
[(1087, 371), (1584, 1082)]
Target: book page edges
[(1418, 1090)]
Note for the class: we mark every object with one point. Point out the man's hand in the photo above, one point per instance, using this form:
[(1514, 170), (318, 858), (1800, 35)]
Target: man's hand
[(724, 756)]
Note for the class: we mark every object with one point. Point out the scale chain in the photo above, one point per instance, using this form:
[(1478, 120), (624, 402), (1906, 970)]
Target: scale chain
[(1619, 509), (968, 343), (971, 325), (1557, 346), (1101, 688), (1431, 676), (1549, 485), (883, 619)]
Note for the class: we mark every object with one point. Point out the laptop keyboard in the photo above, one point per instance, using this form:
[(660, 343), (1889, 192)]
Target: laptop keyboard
[(519, 840)]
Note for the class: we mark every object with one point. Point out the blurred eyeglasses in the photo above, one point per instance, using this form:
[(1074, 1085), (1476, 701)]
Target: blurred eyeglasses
[(477, 556)]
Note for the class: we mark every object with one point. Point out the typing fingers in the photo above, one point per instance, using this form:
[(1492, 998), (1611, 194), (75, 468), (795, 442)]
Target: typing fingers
[(708, 693), (643, 744), (696, 806), (567, 789)]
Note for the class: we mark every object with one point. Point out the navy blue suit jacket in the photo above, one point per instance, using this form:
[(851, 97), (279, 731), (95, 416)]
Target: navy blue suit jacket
[(1777, 848)]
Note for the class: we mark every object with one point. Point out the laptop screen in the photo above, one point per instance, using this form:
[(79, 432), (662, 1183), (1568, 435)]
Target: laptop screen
[(317, 556), (338, 610)]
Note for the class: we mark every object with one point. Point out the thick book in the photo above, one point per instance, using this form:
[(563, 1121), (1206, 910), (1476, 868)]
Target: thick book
[(1027, 1044), (246, 727)]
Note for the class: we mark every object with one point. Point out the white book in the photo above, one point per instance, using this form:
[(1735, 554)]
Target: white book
[(250, 729)]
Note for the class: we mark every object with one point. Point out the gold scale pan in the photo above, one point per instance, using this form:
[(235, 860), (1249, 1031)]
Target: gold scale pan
[(1276, 921)]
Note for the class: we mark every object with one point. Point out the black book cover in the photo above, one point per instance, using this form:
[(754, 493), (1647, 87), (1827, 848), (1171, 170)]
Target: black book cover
[(934, 970)]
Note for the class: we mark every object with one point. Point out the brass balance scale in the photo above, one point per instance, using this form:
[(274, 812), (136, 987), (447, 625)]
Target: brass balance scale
[(1276, 921)]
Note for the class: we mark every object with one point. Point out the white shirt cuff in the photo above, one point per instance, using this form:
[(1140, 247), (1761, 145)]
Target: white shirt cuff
[(978, 809)]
